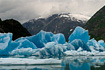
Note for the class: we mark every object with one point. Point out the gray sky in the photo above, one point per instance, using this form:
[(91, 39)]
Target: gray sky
[(24, 10)]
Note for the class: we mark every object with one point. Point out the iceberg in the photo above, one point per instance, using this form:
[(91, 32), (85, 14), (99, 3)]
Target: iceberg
[(59, 38), (95, 45), (102, 43), (24, 43), (79, 43), (46, 44), (51, 50), (27, 61), (79, 33), (5, 40), (69, 46), (24, 51), (23, 47), (43, 38)]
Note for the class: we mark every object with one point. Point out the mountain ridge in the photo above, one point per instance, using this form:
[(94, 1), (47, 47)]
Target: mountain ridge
[(96, 25), (13, 26), (57, 23)]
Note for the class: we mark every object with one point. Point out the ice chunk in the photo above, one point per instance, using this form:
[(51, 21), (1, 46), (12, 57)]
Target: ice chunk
[(79, 33), (101, 42), (16, 45), (51, 50), (80, 49), (24, 43), (50, 44), (69, 46), (5, 40), (22, 47), (43, 38), (26, 61), (79, 43), (59, 38), (24, 51), (96, 45)]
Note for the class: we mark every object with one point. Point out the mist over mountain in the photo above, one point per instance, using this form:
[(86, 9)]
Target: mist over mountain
[(23, 10), (57, 23)]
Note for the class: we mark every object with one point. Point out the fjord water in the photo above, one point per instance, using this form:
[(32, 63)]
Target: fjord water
[(68, 63)]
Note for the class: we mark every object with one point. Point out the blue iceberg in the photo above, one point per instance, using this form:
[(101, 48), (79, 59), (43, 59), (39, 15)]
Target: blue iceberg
[(102, 43), (79, 33), (23, 51), (43, 37), (24, 43), (47, 44), (79, 43), (69, 46), (22, 47), (5, 42), (96, 45), (51, 49)]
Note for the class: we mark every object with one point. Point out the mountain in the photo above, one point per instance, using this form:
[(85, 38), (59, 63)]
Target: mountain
[(57, 23), (96, 25), (14, 27)]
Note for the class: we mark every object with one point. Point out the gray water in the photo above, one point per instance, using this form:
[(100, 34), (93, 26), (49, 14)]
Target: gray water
[(68, 63)]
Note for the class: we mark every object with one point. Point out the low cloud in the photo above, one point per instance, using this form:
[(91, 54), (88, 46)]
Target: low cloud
[(24, 10)]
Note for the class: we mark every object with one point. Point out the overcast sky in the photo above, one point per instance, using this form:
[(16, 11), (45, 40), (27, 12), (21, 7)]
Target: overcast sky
[(24, 10)]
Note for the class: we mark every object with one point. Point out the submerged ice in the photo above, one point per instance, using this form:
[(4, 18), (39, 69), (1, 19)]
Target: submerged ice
[(47, 44)]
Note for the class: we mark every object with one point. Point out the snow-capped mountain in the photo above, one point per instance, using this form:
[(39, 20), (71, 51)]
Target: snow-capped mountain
[(57, 23), (76, 17)]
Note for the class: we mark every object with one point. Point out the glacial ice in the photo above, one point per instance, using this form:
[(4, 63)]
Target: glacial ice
[(24, 51), (43, 37), (5, 40), (95, 45), (79, 33), (51, 50), (79, 43), (24, 43), (102, 43), (24, 61), (46, 44)]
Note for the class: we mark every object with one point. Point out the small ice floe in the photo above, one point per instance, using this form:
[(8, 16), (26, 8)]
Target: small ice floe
[(26, 61)]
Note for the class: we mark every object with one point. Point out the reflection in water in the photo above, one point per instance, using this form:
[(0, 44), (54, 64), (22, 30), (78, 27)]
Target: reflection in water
[(67, 66), (68, 63), (100, 67), (85, 62), (84, 66)]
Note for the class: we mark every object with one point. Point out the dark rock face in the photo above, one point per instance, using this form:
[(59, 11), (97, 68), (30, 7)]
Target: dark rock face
[(55, 24), (96, 25), (14, 27)]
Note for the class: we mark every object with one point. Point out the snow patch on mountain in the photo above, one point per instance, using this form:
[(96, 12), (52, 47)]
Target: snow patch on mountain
[(76, 17)]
